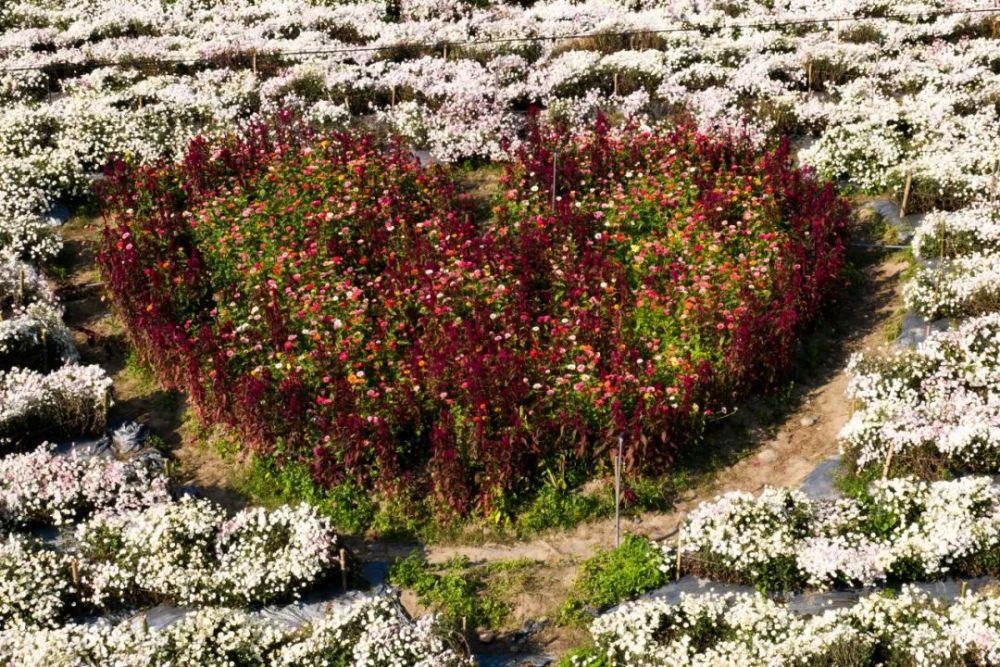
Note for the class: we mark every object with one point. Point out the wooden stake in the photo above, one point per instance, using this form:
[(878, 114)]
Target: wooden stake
[(343, 568), (74, 568), (555, 176), (906, 194), (618, 493), (253, 61), (392, 96), (888, 461), (993, 182), (941, 229), (615, 82), (809, 76), (680, 533)]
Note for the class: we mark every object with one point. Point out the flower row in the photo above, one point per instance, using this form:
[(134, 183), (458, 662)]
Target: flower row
[(959, 275), (899, 96), (935, 406), (44, 487), (966, 286), (68, 402), (186, 552), (900, 530), (32, 334), (369, 631), (908, 628)]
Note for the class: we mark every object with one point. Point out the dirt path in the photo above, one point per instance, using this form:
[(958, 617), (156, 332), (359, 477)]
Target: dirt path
[(101, 340)]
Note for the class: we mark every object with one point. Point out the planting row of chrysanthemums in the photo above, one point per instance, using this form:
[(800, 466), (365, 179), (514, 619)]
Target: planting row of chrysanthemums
[(186, 552), (935, 407), (32, 334), (908, 628), (44, 393), (67, 402), (959, 252), (900, 530), (901, 90), (367, 632), (44, 488), (340, 299)]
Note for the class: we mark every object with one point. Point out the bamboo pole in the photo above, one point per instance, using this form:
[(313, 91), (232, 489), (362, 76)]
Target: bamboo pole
[(555, 177), (618, 493), (680, 534), (888, 462), (993, 182), (906, 194)]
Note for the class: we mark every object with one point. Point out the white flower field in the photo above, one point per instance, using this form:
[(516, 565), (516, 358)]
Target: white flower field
[(884, 98)]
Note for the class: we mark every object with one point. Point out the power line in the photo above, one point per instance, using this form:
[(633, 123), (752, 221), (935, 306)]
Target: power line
[(510, 40)]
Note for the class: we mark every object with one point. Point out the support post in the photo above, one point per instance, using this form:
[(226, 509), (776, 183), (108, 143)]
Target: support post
[(618, 493), (888, 461), (906, 194), (555, 177), (680, 534)]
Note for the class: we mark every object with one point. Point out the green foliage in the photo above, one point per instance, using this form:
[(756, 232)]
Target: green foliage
[(557, 506), (562, 503), (855, 483), (140, 370), (454, 590), (616, 575), (348, 507), (586, 657)]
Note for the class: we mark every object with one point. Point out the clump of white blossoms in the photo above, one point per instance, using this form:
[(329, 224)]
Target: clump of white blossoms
[(959, 276), (940, 401), (367, 632), (71, 400), (751, 630), (903, 529), (966, 231), (189, 553), (36, 586), (43, 487), (371, 631), (30, 318), (961, 287)]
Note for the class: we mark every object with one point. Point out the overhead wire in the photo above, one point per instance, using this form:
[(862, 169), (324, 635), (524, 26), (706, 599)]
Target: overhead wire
[(710, 28)]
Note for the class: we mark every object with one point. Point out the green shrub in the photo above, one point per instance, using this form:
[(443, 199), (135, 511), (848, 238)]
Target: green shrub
[(616, 575), (453, 590)]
